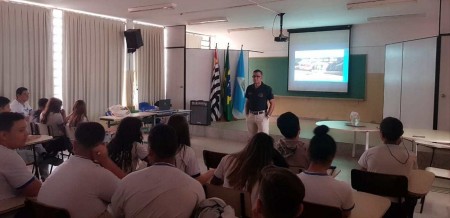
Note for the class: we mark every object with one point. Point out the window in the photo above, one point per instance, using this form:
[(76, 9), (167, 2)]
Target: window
[(57, 39)]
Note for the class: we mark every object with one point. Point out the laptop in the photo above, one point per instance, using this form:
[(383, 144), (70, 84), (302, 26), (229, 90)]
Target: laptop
[(164, 104)]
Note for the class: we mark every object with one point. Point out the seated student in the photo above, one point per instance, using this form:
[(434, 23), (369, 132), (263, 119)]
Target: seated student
[(320, 187), (280, 194), (391, 158), (4, 104), (20, 104), (78, 114), (85, 183), (241, 170), (290, 147), (126, 148), (185, 159), (160, 190), (54, 117), (15, 178), (41, 106)]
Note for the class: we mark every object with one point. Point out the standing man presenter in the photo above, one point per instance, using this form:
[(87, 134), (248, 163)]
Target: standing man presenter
[(256, 108)]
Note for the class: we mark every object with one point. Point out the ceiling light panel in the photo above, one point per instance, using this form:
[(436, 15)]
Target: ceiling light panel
[(375, 3), (167, 6)]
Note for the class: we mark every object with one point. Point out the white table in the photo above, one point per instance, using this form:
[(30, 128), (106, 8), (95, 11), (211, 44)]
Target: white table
[(343, 125), (139, 115), (369, 205), (142, 115), (434, 139)]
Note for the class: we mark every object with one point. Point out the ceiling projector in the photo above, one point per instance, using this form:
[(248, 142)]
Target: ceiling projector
[(281, 37)]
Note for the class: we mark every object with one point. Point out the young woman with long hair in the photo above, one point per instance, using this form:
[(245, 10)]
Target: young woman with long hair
[(241, 170), (126, 148), (54, 117), (78, 114), (185, 159)]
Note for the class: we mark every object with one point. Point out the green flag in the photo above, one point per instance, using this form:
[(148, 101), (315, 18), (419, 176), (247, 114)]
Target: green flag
[(228, 106)]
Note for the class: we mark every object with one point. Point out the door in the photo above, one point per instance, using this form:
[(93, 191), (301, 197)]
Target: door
[(444, 86)]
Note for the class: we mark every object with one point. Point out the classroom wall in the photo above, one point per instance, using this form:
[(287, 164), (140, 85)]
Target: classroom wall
[(367, 39)]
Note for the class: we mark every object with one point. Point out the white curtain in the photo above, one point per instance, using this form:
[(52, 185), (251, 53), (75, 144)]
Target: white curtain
[(25, 50), (150, 64), (93, 62)]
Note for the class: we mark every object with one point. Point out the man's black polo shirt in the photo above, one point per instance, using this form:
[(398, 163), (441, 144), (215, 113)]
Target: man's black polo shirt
[(257, 97)]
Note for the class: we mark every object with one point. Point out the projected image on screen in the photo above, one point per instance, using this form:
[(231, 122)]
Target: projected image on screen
[(319, 65), (319, 61)]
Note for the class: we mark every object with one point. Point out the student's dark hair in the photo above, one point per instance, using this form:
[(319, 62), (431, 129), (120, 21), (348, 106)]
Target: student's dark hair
[(281, 193), (78, 113), (89, 134), (7, 120), (391, 129), (20, 90), (322, 147), (289, 125), (42, 102), (163, 141), (258, 71), (53, 105), (4, 101), (181, 126), (247, 164), (119, 149)]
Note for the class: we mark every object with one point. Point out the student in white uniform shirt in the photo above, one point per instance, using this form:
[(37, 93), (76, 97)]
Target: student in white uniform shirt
[(15, 178), (20, 104), (85, 183), (160, 190), (391, 158), (185, 158), (126, 148), (320, 187), (242, 170)]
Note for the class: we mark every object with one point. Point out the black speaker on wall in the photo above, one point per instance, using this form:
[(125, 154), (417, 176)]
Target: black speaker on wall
[(200, 113), (134, 39)]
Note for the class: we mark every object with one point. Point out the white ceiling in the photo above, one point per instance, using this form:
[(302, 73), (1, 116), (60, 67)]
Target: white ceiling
[(299, 13)]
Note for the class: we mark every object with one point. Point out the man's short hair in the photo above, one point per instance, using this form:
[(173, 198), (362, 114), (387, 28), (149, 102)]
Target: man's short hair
[(289, 125), (4, 101), (281, 193), (391, 128), (42, 102), (7, 120), (20, 90), (89, 134), (163, 141), (258, 71)]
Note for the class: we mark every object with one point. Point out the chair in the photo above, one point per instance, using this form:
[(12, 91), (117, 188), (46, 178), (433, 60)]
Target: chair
[(312, 210), (382, 184), (36, 209), (239, 200), (212, 158), (70, 132), (43, 129), (419, 184)]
